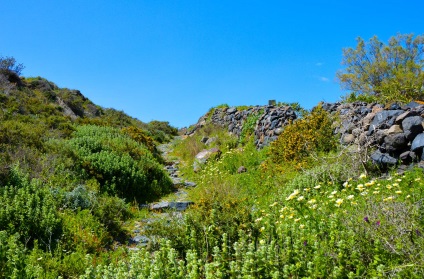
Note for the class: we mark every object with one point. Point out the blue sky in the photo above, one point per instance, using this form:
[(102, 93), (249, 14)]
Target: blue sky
[(174, 60)]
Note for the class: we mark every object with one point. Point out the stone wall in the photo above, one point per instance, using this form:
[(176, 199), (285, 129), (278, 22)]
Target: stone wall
[(393, 133), (271, 120)]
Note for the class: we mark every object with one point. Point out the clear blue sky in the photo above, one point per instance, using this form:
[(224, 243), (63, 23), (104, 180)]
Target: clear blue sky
[(173, 60)]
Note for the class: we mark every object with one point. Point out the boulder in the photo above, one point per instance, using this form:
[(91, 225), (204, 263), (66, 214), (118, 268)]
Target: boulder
[(210, 141), (383, 159), (395, 129), (383, 120), (418, 143), (203, 156), (241, 169), (395, 142), (404, 115), (412, 126)]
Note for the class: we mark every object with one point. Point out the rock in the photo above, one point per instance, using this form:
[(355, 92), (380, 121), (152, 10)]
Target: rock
[(231, 110), (210, 141), (418, 143), (404, 115), (190, 184), (278, 131), (347, 138), (383, 159), (140, 239), (395, 129), (179, 206), (412, 105), (177, 181), (407, 157), (204, 139), (366, 121), (241, 169), (383, 120), (202, 157), (412, 126), (395, 142)]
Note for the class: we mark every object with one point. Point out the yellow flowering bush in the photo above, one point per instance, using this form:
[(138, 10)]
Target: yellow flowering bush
[(313, 133)]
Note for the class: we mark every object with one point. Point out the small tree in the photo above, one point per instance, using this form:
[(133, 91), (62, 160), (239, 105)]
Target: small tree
[(9, 74), (392, 72), (8, 65)]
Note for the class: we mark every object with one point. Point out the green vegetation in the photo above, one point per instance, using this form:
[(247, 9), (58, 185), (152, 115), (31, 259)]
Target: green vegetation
[(385, 73), (72, 176)]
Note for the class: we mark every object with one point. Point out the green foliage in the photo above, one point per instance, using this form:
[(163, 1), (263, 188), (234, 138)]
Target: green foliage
[(248, 128), (122, 166), (300, 111), (313, 133), (8, 64), (388, 72), (29, 209)]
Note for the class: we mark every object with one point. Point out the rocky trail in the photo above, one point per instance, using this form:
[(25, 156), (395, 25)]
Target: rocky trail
[(171, 207)]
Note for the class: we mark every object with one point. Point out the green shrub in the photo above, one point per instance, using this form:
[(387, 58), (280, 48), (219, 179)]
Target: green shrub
[(122, 166), (29, 209)]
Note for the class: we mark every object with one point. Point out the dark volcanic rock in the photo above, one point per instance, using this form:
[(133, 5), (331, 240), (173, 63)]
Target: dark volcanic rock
[(418, 142), (395, 142), (383, 159), (384, 119), (412, 126)]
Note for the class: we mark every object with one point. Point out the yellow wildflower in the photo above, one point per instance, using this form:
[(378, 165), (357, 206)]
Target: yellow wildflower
[(339, 202), (292, 195)]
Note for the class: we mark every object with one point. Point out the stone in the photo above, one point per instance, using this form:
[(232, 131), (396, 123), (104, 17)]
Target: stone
[(395, 129), (177, 181), (278, 131), (395, 142), (190, 184), (407, 157), (241, 169), (366, 121), (179, 206), (383, 159), (231, 110), (204, 139), (348, 138), (202, 157), (412, 105), (418, 143), (404, 115), (383, 120), (412, 126), (210, 141)]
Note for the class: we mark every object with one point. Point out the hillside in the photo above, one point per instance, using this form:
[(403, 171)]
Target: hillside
[(246, 192)]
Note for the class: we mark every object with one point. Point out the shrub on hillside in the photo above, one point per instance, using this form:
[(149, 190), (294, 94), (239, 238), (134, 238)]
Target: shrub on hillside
[(122, 166), (29, 209), (313, 133)]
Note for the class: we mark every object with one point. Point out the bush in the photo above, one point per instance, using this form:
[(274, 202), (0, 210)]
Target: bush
[(122, 166), (29, 209), (313, 133)]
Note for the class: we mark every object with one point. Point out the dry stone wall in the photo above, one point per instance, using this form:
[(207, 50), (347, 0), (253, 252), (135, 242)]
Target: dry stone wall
[(393, 133), (270, 123)]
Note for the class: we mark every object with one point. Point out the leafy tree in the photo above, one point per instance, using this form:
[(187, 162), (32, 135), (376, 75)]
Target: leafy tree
[(387, 72), (8, 64)]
